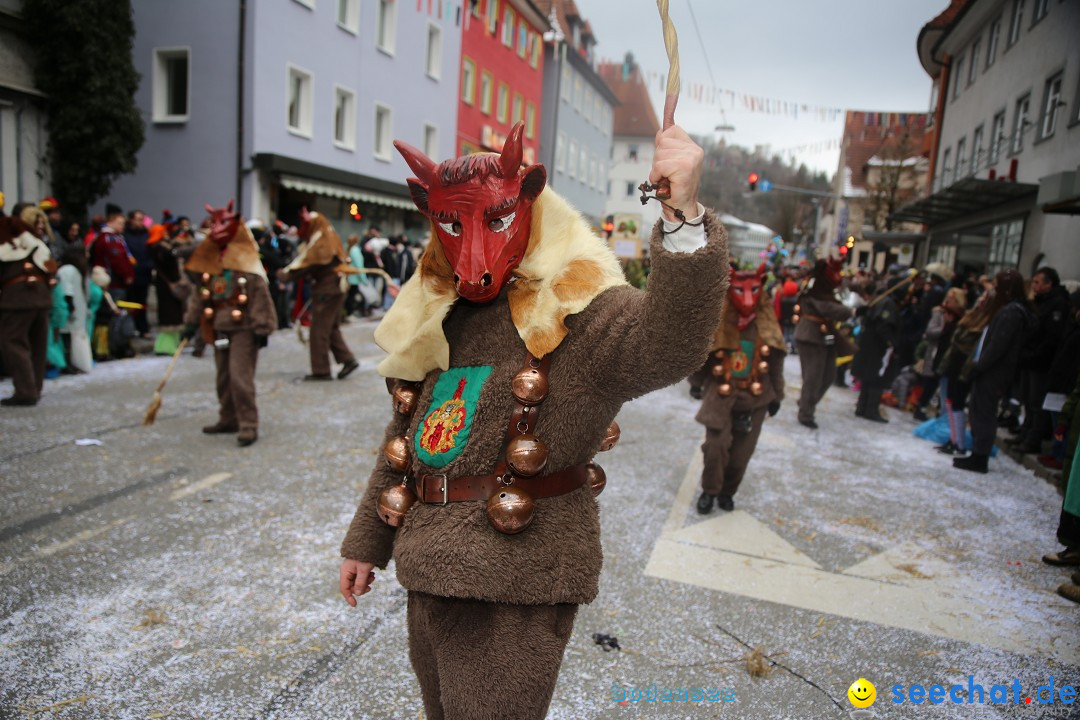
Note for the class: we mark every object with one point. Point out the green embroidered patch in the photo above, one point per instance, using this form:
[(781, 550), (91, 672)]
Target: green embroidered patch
[(444, 431), (740, 359)]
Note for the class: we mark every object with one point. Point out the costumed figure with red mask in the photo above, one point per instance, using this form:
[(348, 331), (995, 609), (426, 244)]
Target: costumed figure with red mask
[(231, 308), (818, 337), (26, 295), (322, 261), (511, 351), (742, 379)]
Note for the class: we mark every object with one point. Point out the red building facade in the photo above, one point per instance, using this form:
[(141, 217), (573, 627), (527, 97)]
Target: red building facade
[(502, 73)]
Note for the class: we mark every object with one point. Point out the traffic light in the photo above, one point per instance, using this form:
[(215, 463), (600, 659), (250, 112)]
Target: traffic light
[(354, 212), (609, 225), (751, 180)]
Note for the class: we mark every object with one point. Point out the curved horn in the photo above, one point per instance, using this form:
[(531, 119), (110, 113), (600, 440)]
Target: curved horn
[(761, 269), (229, 207), (209, 208), (421, 164), (510, 159)]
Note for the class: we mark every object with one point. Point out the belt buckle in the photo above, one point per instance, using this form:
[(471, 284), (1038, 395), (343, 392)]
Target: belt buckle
[(445, 487)]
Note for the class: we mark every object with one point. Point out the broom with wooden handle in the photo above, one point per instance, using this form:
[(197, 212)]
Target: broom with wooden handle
[(155, 404)]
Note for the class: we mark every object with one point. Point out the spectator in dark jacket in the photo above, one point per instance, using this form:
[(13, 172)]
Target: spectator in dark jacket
[(111, 252), (137, 235), (880, 326), (1062, 378), (1051, 308), (994, 363)]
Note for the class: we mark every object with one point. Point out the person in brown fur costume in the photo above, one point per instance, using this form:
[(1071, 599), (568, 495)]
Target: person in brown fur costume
[(818, 338), (742, 379), (233, 310), (321, 261), (510, 353), (26, 277)]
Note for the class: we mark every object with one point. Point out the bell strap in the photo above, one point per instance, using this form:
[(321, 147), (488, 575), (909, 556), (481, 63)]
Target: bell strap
[(440, 489), (522, 416)]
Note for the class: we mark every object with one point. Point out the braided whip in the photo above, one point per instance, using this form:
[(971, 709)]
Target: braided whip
[(671, 43)]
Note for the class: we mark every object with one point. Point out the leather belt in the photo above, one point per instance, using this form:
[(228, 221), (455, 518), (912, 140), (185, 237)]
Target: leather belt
[(440, 489), (24, 278)]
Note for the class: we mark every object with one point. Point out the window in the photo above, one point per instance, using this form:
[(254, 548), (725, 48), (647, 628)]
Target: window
[(992, 42), (977, 150), (630, 189), (348, 15), (386, 26), (492, 15), (597, 107), (1051, 101), (957, 79), (171, 88), (300, 101), (384, 132), (934, 88), (973, 71), (577, 92), (1020, 123), (1041, 8), (565, 82), (587, 104), (309, 4), (571, 169), (508, 27), (434, 51), (961, 159), (468, 81), (344, 118), (486, 83), (503, 102), (946, 171), (530, 120), (560, 152), (997, 135), (1014, 25), (631, 153), (1005, 240), (523, 39), (431, 141), (584, 164), (517, 109), (534, 51)]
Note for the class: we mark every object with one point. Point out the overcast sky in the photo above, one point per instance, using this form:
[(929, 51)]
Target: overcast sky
[(850, 54)]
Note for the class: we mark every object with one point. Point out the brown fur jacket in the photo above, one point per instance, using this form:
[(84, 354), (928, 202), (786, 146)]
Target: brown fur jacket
[(625, 343)]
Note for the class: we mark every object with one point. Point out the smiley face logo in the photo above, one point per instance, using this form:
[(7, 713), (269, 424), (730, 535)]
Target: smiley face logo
[(862, 693)]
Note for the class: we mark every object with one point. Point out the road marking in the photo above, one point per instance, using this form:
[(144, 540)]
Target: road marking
[(207, 482), (904, 586), (72, 541)]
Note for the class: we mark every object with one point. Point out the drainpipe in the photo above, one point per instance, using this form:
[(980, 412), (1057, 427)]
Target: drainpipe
[(240, 106)]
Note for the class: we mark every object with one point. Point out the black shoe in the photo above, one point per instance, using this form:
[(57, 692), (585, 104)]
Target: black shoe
[(874, 416), (947, 449), (247, 436), (1069, 557), (15, 401), (973, 463), (316, 377), (347, 370), (809, 423), (725, 503), (220, 429), (705, 502), (919, 414)]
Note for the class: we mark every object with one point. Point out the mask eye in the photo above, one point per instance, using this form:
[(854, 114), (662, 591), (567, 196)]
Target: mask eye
[(738, 290), (501, 224), (453, 228)]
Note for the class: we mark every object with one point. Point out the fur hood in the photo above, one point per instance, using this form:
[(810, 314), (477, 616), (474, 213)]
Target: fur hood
[(322, 248), (565, 267), (241, 255), (19, 244), (727, 335)]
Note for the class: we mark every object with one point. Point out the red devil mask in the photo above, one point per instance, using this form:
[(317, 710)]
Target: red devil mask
[(224, 223), (480, 206), (745, 293)]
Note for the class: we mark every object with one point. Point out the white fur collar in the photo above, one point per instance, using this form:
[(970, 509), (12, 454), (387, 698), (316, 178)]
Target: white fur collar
[(27, 246)]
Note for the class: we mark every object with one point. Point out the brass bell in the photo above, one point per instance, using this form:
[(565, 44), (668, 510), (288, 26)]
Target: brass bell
[(236, 314), (823, 328), (405, 397), (526, 455), (510, 510), (717, 370), (32, 279), (755, 388), (28, 265), (796, 309), (611, 437), (241, 281), (529, 386), (763, 366), (204, 293), (242, 298), (394, 502), (719, 354), (208, 312), (764, 351), (397, 453), (723, 389), (206, 277), (596, 478), (794, 319)]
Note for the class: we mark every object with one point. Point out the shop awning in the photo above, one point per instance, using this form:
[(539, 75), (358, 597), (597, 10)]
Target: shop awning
[(964, 197), (319, 187), (893, 238), (1060, 193)]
